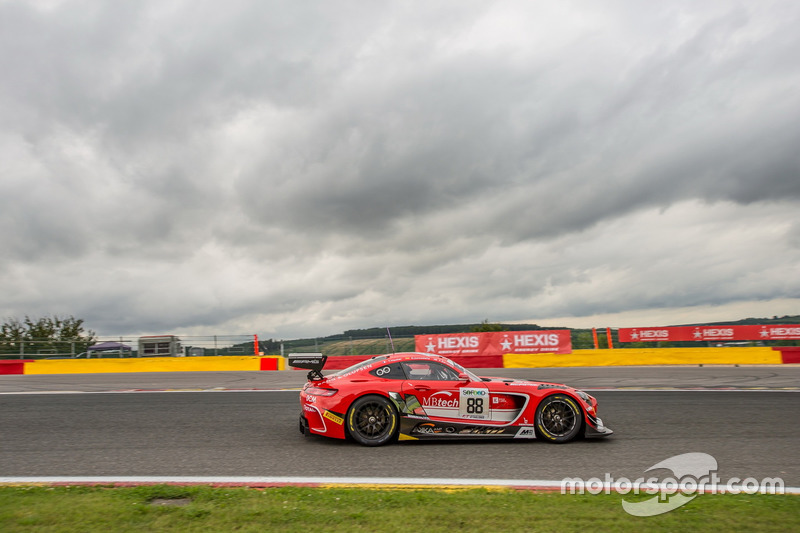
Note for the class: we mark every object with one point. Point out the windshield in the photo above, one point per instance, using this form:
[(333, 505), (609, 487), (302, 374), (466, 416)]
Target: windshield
[(472, 377)]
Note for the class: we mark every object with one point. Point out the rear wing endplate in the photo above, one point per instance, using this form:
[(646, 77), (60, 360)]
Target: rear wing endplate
[(309, 361)]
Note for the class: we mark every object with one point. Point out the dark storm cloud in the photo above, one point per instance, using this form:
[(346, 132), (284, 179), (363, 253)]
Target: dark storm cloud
[(676, 124)]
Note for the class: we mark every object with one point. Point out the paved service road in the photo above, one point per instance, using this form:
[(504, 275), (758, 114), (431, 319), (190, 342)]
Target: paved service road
[(751, 434)]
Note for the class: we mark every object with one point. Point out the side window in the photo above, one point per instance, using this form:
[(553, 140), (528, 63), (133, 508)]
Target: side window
[(429, 371), (392, 371)]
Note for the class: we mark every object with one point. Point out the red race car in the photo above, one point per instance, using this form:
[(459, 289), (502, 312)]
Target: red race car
[(411, 396)]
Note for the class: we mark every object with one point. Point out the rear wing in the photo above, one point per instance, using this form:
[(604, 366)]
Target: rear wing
[(309, 361)]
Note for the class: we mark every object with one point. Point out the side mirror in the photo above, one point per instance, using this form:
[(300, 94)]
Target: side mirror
[(463, 377)]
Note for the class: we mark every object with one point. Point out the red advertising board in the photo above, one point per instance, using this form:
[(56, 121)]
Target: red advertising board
[(711, 333), (496, 343)]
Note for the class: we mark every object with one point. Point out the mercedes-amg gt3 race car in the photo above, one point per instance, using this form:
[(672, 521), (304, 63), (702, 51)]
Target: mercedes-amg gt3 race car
[(410, 396)]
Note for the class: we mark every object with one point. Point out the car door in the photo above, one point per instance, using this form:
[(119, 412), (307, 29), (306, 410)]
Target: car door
[(442, 395)]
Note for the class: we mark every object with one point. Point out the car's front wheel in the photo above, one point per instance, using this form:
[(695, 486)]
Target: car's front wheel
[(372, 420), (558, 418)]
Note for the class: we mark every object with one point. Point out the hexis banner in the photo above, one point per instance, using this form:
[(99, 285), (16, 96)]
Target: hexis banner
[(711, 333), (496, 343)]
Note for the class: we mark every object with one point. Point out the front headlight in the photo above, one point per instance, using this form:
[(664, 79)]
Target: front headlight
[(585, 397)]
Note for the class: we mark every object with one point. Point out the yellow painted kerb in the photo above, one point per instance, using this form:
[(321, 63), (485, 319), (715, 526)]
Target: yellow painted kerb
[(145, 364), (760, 355)]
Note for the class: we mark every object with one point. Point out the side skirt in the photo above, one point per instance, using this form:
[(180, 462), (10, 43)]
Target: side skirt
[(420, 428)]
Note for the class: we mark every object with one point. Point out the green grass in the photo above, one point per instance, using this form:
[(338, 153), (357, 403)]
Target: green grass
[(346, 510)]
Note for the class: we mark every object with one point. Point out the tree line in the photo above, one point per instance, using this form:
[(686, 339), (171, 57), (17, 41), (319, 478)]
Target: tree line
[(45, 335)]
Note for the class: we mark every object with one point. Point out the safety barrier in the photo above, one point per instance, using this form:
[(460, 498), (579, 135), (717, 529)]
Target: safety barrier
[(143, 364), (13, 366), (759, 355), (789, 354), (611, 357)]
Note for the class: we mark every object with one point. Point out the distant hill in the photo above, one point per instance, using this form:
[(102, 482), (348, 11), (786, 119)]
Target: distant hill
[(376, 340), (407, 331), (786, 319)]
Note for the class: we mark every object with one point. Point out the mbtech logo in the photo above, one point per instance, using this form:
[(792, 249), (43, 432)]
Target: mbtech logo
[(441, 399)]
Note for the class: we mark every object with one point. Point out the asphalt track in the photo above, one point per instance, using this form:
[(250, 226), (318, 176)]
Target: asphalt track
[(46, 432)]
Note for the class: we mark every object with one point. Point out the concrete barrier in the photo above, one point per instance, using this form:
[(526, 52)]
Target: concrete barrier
[(13, 366), (154, 364), (614, 357), (789, 354), (648, 356)]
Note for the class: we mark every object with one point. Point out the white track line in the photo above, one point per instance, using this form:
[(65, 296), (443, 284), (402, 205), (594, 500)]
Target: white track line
[(257, 481)]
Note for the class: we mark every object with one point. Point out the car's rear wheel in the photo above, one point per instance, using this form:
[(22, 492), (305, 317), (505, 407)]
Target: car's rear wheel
[(372, 421), (558, 418)]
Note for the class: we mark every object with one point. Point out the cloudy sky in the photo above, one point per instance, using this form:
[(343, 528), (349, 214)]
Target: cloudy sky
[(298, 168)]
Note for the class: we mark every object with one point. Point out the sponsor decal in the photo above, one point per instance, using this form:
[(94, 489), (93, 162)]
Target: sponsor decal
[(365, 366), (781, 333), (650, 334), (336, 419), (383, 371), (426, 429), (305, 361), (458, 342), (525, 433), (715, 333), (473, 404), (530, 340), (496, 343), (479, 430), (432, 429), (443, 399)]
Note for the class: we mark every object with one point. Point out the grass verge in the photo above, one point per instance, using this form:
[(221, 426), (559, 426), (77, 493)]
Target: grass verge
[(201, 508)]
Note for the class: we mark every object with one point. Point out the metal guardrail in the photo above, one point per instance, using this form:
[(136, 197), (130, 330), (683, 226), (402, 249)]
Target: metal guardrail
[(246, 345), (209, 345), (214, 345)]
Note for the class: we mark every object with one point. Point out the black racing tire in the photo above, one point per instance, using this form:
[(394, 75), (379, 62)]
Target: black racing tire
[(372, 420), (559, 418)]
